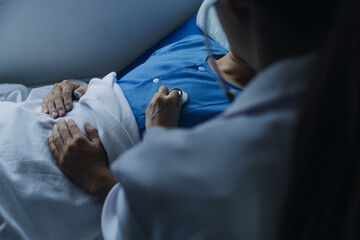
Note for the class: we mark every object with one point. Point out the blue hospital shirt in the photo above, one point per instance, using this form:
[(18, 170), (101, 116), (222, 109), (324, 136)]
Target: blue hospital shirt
[(179, 65)]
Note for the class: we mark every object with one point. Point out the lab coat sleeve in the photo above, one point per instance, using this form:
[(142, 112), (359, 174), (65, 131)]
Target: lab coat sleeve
[(117, 215), (188, 184)]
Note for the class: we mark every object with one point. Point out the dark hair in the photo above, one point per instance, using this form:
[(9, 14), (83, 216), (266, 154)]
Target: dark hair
[(323, 201), (302, 17)]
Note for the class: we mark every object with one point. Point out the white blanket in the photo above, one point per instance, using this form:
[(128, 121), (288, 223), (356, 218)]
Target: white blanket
[(36, 200)]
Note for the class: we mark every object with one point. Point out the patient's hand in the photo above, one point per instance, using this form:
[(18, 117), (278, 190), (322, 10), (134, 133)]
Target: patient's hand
[(84, 161), (59, 100), (164, 109)]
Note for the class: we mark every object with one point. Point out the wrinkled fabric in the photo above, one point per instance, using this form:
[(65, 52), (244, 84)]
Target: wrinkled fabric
[(179, 65), (37, 201)]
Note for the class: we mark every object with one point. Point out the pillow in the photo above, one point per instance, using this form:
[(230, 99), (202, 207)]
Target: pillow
[(43, 41), (215, 30)]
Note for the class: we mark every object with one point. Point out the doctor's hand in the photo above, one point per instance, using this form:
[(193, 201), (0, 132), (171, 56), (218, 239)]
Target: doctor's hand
[(84, 161), (164, 109), (59, 100)]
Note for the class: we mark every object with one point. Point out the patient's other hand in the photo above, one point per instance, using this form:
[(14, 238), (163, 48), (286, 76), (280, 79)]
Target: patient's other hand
[(59, 100), (84, 161), (164, 109)]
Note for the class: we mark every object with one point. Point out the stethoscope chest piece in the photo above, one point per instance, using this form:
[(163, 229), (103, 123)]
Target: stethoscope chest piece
[(184, 97)]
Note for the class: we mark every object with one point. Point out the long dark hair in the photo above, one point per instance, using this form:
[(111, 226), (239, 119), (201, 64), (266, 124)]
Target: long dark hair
[(323, 201)]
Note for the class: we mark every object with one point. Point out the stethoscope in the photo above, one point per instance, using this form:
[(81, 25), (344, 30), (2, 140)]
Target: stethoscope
[(183, 96), (230, 93)]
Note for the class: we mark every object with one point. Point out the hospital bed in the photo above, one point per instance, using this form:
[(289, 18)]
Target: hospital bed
[(43, 42)]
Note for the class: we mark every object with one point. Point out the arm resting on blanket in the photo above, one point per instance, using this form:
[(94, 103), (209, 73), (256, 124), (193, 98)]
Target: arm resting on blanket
[(59, 99), (84, 161)]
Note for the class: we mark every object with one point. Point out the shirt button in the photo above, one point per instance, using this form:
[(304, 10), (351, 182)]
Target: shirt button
[(155, 80), (201, 68)]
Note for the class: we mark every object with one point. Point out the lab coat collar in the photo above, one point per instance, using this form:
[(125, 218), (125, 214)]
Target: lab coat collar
[(282, 81)]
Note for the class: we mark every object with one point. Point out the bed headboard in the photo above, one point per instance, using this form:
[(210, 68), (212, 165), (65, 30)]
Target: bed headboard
[(43, 41)]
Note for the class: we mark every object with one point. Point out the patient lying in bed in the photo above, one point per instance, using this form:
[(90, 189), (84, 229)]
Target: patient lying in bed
[(37, 201)]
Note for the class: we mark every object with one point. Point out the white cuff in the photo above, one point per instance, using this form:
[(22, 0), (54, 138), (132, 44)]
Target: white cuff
[(109, 218)]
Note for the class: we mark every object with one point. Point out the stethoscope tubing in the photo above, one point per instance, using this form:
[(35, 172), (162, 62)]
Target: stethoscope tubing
[(230, 93)]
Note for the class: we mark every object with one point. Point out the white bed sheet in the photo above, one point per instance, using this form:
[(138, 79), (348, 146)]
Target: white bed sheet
[(37, 201)]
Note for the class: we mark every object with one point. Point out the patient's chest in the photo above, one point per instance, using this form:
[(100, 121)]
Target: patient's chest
[(179, 65)]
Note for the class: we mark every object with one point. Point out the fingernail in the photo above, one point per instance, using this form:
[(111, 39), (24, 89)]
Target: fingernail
[(68, 107), (61, 112), (87, 125), (53, 114), (77, 94)]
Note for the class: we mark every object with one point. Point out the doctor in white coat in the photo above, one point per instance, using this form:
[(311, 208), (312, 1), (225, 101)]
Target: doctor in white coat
[(227, 178)]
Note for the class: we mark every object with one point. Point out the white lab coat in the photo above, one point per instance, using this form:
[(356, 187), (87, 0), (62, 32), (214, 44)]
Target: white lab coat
[(225, 179)]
